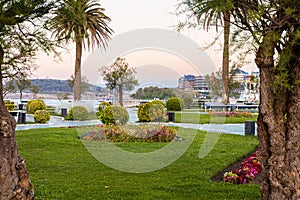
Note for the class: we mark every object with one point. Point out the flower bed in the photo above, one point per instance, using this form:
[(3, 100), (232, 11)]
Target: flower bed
[(231, 114), (143, 133), (246, 172)]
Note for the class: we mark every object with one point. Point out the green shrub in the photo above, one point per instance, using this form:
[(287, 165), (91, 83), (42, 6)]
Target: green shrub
[(35, 105), (10, 105), (28, 103), (77, 113), (153, 111), (41, 116), (158, 102), (114, 115), (188, 100), (175, 104), (101, 107)]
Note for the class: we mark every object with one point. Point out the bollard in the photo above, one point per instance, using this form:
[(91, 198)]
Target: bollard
[(171, 116), (63, 112), (249, 128), (20, 106), (22, 118)]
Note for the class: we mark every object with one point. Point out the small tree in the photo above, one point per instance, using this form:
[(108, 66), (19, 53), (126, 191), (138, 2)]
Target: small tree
[(119, 76), (22, 84), (35, 90)]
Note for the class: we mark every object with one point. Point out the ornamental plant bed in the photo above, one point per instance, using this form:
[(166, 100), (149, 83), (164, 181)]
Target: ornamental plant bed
[(144, 133), (243, 171)]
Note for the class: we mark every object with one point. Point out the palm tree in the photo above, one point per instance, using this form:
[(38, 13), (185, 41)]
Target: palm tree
[(214, 13), (82, 22)]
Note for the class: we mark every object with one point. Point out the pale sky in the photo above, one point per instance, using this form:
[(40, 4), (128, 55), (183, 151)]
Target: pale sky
[(131, 15)]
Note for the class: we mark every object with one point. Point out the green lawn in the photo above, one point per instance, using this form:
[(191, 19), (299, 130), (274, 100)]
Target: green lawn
[(196, 118), (61, 168)]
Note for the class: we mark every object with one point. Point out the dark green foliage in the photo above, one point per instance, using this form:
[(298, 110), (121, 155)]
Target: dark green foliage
[(101, 106), (35, 105), (77, 113), (154, 92), (175, 104), (41, 116), (153, 111), (114, 115)]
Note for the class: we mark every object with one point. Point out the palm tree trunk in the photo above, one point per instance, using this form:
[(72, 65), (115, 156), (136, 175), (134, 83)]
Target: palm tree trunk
[(225, 64), (77, 73), (14, 179)]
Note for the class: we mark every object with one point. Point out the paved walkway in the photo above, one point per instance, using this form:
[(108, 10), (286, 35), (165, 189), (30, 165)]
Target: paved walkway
[(59, 122)]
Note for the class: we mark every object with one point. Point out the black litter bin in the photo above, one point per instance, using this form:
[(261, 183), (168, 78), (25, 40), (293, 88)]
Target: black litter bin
[(63, 112), (249, 128), (20, 106), (22, 118), (171, 116)]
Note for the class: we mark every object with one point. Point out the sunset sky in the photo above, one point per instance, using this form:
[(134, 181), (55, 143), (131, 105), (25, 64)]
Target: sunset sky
[(168, 64)]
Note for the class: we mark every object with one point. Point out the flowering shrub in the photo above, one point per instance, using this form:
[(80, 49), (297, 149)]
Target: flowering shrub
[(114, 115), (130, 134), (231, 114), (41, 116), (35, 105), (246, 172), (151, 112), (101, 107)]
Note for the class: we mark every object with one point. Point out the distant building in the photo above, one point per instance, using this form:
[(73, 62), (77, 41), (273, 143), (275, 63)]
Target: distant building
[(201, 84), (192, 82), (250, 82), (187, 82), (239, 75)]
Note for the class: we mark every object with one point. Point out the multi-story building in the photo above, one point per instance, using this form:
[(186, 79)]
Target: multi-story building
[(187, 82), (250, 81), (192, 82)]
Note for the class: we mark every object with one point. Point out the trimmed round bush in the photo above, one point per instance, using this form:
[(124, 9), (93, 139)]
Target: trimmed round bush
[(77, 113), (175, 104), (10, 105), (114, 115), (101, 106), (153, 111), (158, 102), (35, 105), (41, 116)]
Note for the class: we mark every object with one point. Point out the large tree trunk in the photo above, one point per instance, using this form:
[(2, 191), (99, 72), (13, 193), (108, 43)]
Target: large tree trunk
[(225, 64), (278, 127), (14, 179), (77, 73)]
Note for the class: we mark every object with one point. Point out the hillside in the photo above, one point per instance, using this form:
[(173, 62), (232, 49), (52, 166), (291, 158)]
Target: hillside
[(54, 86)]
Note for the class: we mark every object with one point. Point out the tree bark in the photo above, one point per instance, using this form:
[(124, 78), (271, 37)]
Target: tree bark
[(14, 179), (120, 87), (77, 73), (278, 127), (225, 64)]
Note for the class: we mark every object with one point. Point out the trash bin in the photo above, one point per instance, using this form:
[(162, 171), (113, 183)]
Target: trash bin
[(171, 116), (249, 128), (22, 118), (20, 106), (63, 112)]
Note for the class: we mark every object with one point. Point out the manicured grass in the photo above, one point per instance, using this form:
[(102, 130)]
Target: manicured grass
[(60, 167), (196, 118)]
